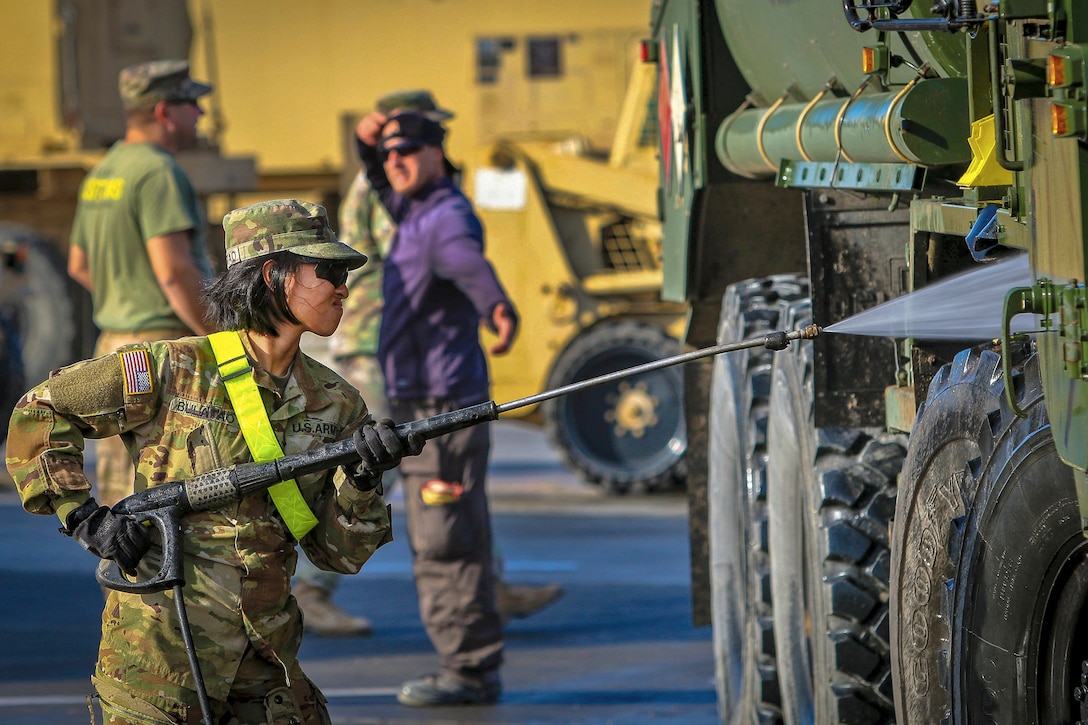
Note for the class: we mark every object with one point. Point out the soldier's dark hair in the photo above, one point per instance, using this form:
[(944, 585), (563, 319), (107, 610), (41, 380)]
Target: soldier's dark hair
[(241, 300)]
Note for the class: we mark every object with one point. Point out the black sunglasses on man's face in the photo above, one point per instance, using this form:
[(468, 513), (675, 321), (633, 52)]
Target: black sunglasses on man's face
[(403, 151)]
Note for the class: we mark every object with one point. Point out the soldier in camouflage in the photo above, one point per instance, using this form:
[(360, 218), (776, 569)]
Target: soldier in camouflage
[(167, 401), (366, 226)]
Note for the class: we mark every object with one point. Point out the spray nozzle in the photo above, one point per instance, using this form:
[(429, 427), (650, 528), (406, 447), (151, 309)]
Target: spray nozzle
[(781, 340)]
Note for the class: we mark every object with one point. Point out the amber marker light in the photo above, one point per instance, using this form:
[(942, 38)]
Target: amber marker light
[(875, 59), (1067, 119), (1059, 120), (1057, 71), (868, 60)]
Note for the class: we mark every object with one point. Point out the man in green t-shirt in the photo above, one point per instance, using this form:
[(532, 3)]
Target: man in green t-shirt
[(137, 240)]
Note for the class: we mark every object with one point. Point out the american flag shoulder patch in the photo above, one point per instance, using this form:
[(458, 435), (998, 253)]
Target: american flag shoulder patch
[(137, 372)]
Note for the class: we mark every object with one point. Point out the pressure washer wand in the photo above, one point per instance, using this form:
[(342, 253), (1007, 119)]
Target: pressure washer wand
[(443, 423), (773, 341), (164, 506)]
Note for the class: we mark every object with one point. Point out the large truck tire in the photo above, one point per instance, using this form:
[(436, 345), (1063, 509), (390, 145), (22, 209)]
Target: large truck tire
[(831, 495), (39, 304), (990, 565), (627, 436), (745, 672)]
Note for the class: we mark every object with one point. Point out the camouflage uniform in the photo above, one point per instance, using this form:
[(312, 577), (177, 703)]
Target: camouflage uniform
[(176, 418), (366, 226)]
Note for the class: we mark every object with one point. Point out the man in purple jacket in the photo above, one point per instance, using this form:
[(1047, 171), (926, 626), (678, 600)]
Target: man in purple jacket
[(438, 288)]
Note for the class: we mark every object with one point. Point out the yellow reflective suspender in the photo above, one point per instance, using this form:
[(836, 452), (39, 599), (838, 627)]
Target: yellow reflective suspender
[(237, 375)]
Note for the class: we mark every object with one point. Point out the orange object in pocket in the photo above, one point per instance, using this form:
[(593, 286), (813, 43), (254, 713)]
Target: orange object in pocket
[(437, 492)]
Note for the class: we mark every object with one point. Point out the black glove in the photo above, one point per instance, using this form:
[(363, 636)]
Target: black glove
[(380, 448), (107, 535)]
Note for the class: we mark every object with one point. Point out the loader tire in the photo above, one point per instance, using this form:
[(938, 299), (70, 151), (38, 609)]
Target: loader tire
[(990, 571), (627, 436), (831, 495), (741, 606)]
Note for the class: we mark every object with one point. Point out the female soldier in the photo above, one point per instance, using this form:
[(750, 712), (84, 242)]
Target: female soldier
[(170, 403)]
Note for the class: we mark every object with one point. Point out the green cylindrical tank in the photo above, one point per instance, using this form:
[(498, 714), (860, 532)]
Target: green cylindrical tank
[(785, 45), (924, 124), (784, 50)]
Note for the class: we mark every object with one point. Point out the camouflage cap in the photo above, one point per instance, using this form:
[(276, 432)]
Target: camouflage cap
[(420, 101), (284, 225), (160, 80)]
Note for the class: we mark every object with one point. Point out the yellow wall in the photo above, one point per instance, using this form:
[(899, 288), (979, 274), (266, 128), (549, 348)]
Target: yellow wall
[(29, 117), (288, 71)]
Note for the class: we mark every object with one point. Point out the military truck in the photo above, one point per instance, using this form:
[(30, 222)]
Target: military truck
[(892, 527)]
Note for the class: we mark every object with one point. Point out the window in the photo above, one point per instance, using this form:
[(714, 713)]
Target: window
[(489, 58), (545, 58)]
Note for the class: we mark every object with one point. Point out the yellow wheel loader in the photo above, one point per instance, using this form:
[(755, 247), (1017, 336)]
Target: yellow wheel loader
[(574, 234)]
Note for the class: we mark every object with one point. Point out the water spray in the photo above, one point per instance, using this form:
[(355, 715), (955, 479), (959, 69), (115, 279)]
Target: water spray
[(966, 306)]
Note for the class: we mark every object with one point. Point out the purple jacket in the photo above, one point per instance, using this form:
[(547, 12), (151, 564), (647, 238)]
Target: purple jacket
[(438, 287)]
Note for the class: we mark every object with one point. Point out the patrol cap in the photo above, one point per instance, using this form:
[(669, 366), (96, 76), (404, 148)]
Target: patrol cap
[(160, 80), (419, 101), (284, 225), (412, 131)]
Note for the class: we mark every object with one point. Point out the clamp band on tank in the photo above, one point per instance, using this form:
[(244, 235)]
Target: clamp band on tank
[(804, 114), (839, 119), (891, 106), (762, 124), (724, 134)]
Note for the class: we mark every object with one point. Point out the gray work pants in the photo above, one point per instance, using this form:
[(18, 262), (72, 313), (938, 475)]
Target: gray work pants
[(451, 546)]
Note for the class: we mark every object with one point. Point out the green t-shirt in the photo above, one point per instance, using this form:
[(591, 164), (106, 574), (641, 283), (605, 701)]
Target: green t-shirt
[(135, 193)]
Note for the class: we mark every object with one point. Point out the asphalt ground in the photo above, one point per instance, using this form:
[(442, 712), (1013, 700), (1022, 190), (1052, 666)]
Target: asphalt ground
[(619, 647)]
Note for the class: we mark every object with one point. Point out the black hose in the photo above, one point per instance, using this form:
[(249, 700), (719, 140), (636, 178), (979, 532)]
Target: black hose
[(190, 649)]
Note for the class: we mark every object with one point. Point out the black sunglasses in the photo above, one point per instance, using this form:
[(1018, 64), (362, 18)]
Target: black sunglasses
[(183, 102), (403, 151), (336, 273)]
